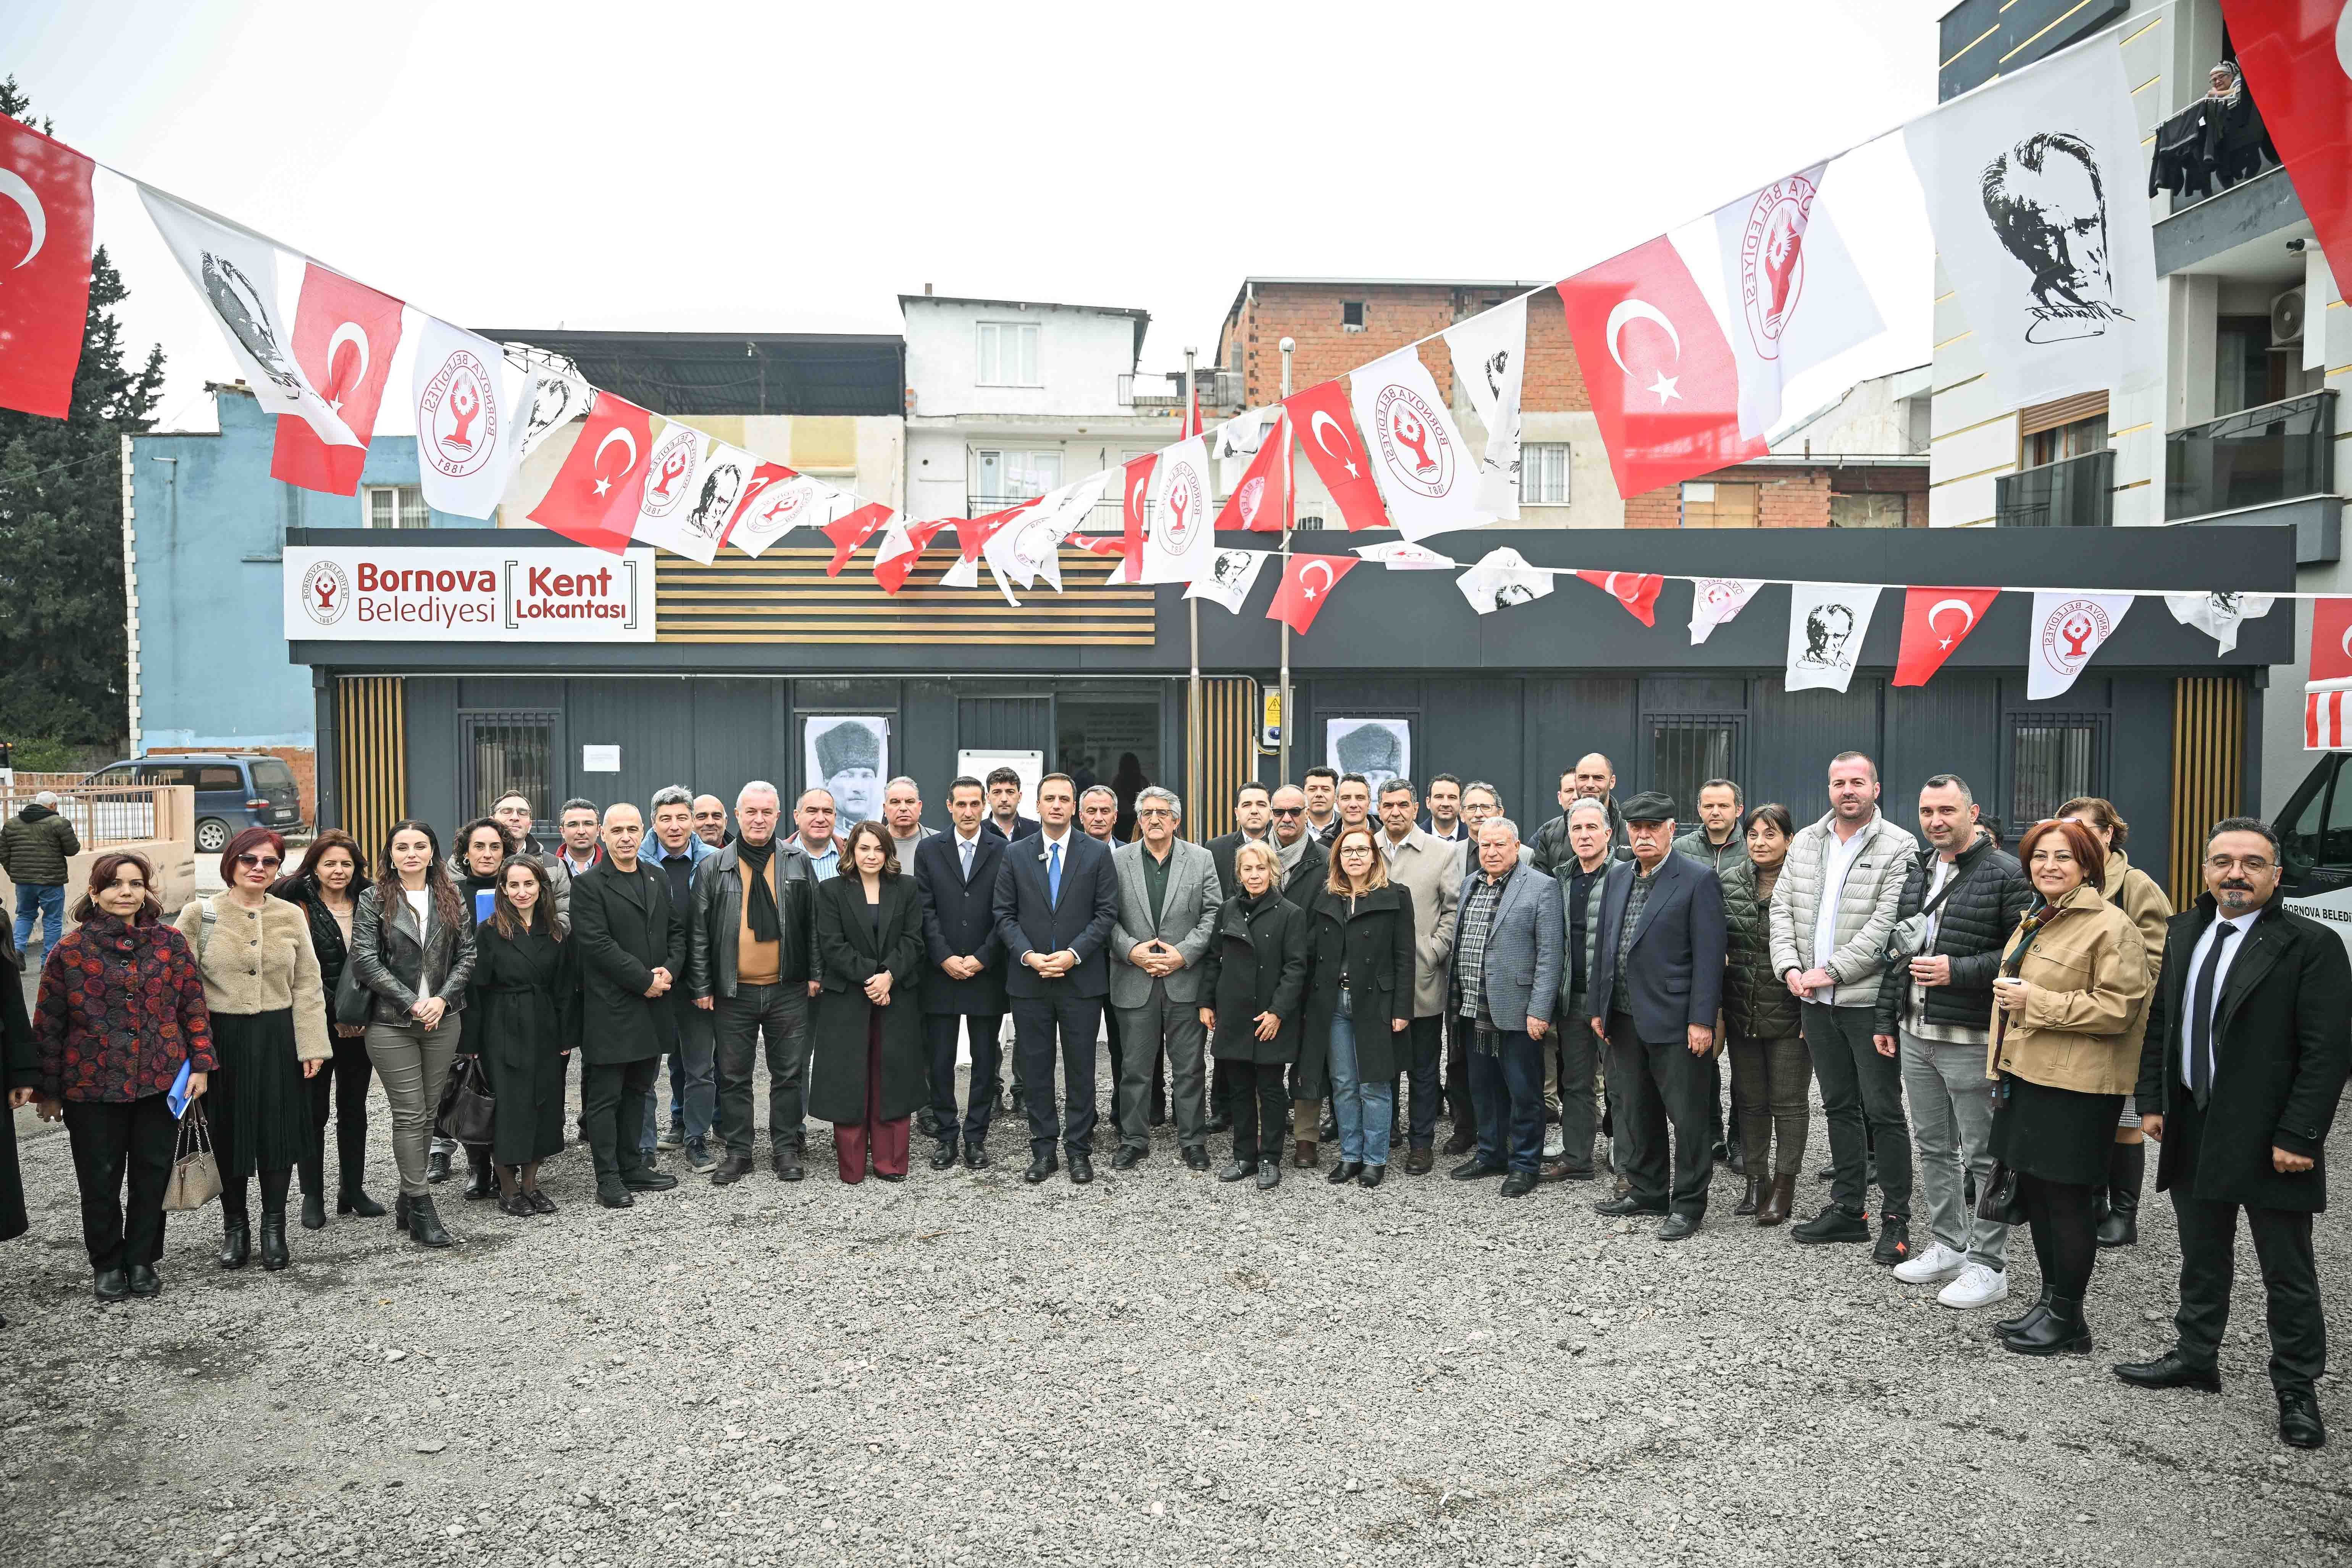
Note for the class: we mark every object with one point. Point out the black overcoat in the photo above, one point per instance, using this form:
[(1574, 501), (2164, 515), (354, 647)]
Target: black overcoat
[(848, 955), (19, 1068), (625, 929), (523, 1014), (1372, 946), (959, 922), (1256, 964)]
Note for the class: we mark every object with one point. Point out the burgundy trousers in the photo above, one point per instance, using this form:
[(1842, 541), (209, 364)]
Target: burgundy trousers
[(886, 1140)]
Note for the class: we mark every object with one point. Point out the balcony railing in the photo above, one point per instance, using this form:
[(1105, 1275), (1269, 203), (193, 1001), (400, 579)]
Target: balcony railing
[(2276, 452), (2076, 492), (1148, 394), (1106, 516)]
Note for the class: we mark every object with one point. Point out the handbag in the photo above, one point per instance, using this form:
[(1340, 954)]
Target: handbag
[(1909, 938), (1999, 1199), (196, 1174), (468, 1110), (355, 1003)]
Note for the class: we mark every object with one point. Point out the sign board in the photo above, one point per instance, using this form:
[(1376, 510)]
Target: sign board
[(600, 759), (347, 593), (1270, 731), (1030, 765)]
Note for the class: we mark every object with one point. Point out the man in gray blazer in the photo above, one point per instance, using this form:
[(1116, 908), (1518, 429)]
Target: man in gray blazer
[(1506, 951), (1168, 900)]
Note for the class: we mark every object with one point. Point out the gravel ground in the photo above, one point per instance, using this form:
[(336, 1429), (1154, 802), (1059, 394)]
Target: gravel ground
[(1155, 1369)]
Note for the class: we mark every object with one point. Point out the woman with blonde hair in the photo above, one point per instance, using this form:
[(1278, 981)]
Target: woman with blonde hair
[(1361, 972)]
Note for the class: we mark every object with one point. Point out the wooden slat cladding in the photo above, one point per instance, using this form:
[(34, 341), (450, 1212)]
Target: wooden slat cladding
[(2209, 770), (784, 597), (2044, 416), (1228, 715), (371, 758)]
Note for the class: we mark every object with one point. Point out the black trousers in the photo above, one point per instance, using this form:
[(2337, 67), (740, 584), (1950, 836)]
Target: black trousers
[(1459, 1108), (2209, 1238), (1861, 1100), (1427, 1038), (1578, 1053), (1654, 1085), (345, 1081), (110, 1139), (2064, 1227), (778, 1015), (983, 1031), (1261, 1108), (1037, 1023), (612, 1101), (1117, 1045)]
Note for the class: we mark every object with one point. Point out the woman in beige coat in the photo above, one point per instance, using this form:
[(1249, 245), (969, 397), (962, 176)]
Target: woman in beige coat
[(2134, 892), (2072, 984)]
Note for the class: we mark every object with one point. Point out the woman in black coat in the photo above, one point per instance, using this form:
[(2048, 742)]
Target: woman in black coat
[(871, 1069), (522, 1015), (327, 886), (20, 1074), (1359, 939), (1253, 976)]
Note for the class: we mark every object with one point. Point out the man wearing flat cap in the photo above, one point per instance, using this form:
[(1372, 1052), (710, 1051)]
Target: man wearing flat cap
[(1656, 986)]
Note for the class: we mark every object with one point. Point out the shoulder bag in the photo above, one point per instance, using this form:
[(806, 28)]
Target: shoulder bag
[(468, 1111)]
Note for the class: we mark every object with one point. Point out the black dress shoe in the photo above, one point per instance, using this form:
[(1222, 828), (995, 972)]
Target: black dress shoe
[(614, 1197), (1127, 1158), (1678, 1227), (1196, 1158), (314, 1211), (927, 1122), (890, 1175), (943, 1157), (788, 1166), (645, 1179), (1040, 1167), (110, 1284), (539, 1201), (437, 1164), (1518, 1183), (143, 1282), (1474, 1171), (236, 1243), (273, 1242), (1626, 1206), (1371, 1175), (353, 1201), (2169, 1370), (731, 1170), (2299, 1422), (519, 1205), (975, 1156), (1269, 1175), (1344, 1172), (1218, 1123), (1239, 1171), (1833, 1223), (1082, 1167)]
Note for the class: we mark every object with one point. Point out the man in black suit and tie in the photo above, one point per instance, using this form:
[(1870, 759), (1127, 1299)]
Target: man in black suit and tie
[(1005, 823), (632, 951), (1657, 985), (1057, 898), (955, 874), (2249, 1039)]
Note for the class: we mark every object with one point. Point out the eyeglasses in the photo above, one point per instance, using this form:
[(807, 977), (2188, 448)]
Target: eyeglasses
[(1289, 810), (2231, 862), (259, 862)]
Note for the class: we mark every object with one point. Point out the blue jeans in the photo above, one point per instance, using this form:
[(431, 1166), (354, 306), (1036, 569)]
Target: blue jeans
[(1363, 1110), (693, 1078), (49, 903)]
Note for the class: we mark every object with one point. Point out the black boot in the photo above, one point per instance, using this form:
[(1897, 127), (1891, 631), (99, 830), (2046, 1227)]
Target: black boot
[(236, 1242), (437, 1164), (2061, 1331), (274, 1255), (2126, 1164), (2033, 1314), (314, 1210), (423, 1225), (479, 1183), (355, 1200)]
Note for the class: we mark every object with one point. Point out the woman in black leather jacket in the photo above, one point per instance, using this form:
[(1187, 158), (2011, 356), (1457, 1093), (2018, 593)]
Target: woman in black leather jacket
[(413, 945)]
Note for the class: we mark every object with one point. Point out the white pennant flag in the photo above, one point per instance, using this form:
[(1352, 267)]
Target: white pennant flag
[(1503, 578), (1183, 538), (1427, 477), (1489, 351), (1030, 547), (2066, 630), (466, 425), (2219, 615), (1231, 577), (1714, 600), (1827, 622), (551, 399), (1399, 556), (2034, 192), (718, 486), (667, 502), (236, 274), (779, 506), (1232, 444)]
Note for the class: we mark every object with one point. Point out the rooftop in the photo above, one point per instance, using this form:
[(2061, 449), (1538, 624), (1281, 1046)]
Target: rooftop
[(686, 374)]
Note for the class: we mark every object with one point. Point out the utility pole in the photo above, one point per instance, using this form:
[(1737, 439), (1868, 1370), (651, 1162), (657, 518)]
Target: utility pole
[(1289, 515), (1192, 803)]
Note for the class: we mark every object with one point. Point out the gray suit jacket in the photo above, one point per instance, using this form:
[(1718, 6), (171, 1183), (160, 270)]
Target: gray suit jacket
[(1187, 920), (1432, 867), (1525, 946)]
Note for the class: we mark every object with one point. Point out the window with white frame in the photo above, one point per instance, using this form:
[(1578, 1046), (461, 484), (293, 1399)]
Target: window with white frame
[(1009, 474), (1543, 473), (397, 506), (1008, 354)]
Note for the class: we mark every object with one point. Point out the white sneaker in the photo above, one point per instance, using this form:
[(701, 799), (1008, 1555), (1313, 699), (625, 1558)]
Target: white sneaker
[(1932, 1266), (1555, 1145), (1977, 1287)]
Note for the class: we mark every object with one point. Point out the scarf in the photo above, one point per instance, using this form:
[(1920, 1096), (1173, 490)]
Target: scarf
[(1290, 855), (759, 898)]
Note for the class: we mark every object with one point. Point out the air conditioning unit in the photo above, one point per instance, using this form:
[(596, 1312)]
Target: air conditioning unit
[(2286, 319)]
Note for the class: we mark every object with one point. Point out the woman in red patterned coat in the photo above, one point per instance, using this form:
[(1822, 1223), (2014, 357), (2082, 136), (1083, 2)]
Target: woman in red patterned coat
[(120, 1008)]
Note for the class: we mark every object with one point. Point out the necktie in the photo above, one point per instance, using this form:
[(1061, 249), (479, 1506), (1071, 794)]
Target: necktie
[(1053, 876), (2201, 1016), (967, 859)]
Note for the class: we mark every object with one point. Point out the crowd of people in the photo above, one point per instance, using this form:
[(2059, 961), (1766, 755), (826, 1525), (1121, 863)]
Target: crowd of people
[(1999, 1029)]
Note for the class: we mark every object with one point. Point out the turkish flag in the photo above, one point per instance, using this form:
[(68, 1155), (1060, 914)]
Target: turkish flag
[(2331, 639), (595, 494), (900, 548), (1664, 384), (1256, 503), (1135, 497), (1638, 593), (45, 238), (344, 335), (2297, 56), (852, 530), (1307, 585), (1328, 437), (1936, 622)]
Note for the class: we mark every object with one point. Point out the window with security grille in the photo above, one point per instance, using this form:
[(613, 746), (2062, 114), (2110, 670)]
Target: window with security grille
[(1688, 749), (508, 753), (2052, 759), (397, 506), (1543, 473)]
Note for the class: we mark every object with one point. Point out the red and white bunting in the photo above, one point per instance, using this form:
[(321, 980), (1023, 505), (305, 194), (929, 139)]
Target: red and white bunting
[(1307, 585), (900, 548), (1335, 449), (1638, 592), (593, 497), (2066, 630), (1936, 622), (344, 337), (45, 242), (1714, 600), (1426, 470)]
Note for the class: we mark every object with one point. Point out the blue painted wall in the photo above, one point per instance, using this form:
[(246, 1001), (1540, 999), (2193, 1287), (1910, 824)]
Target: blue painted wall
[(209, 526)]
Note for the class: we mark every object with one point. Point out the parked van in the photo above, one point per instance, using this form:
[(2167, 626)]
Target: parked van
[(235, 791), (2315, 845)]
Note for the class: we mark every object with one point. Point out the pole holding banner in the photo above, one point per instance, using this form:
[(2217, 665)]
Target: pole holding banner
[(1289, 516)]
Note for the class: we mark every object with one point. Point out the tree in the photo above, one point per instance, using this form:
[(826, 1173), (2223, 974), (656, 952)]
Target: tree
[(64, 648)]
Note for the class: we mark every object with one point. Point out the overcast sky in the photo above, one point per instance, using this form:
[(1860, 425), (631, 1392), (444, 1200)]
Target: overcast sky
[(693, 165)]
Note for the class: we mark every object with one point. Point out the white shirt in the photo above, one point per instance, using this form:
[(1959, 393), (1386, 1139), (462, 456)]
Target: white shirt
[(1837, 859), (2197, 956), (967, 851), (421, 901)]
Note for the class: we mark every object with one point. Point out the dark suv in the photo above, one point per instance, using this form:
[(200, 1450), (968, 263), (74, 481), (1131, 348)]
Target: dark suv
[(233, 791)]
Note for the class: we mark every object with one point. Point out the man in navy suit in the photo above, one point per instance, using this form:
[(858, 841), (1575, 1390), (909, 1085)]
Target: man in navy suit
[(1056, 899), (1004, 822), (955, 875), (1657, 983)]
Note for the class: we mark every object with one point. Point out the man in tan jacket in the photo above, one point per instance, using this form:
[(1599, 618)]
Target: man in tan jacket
[(1433, 869)]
